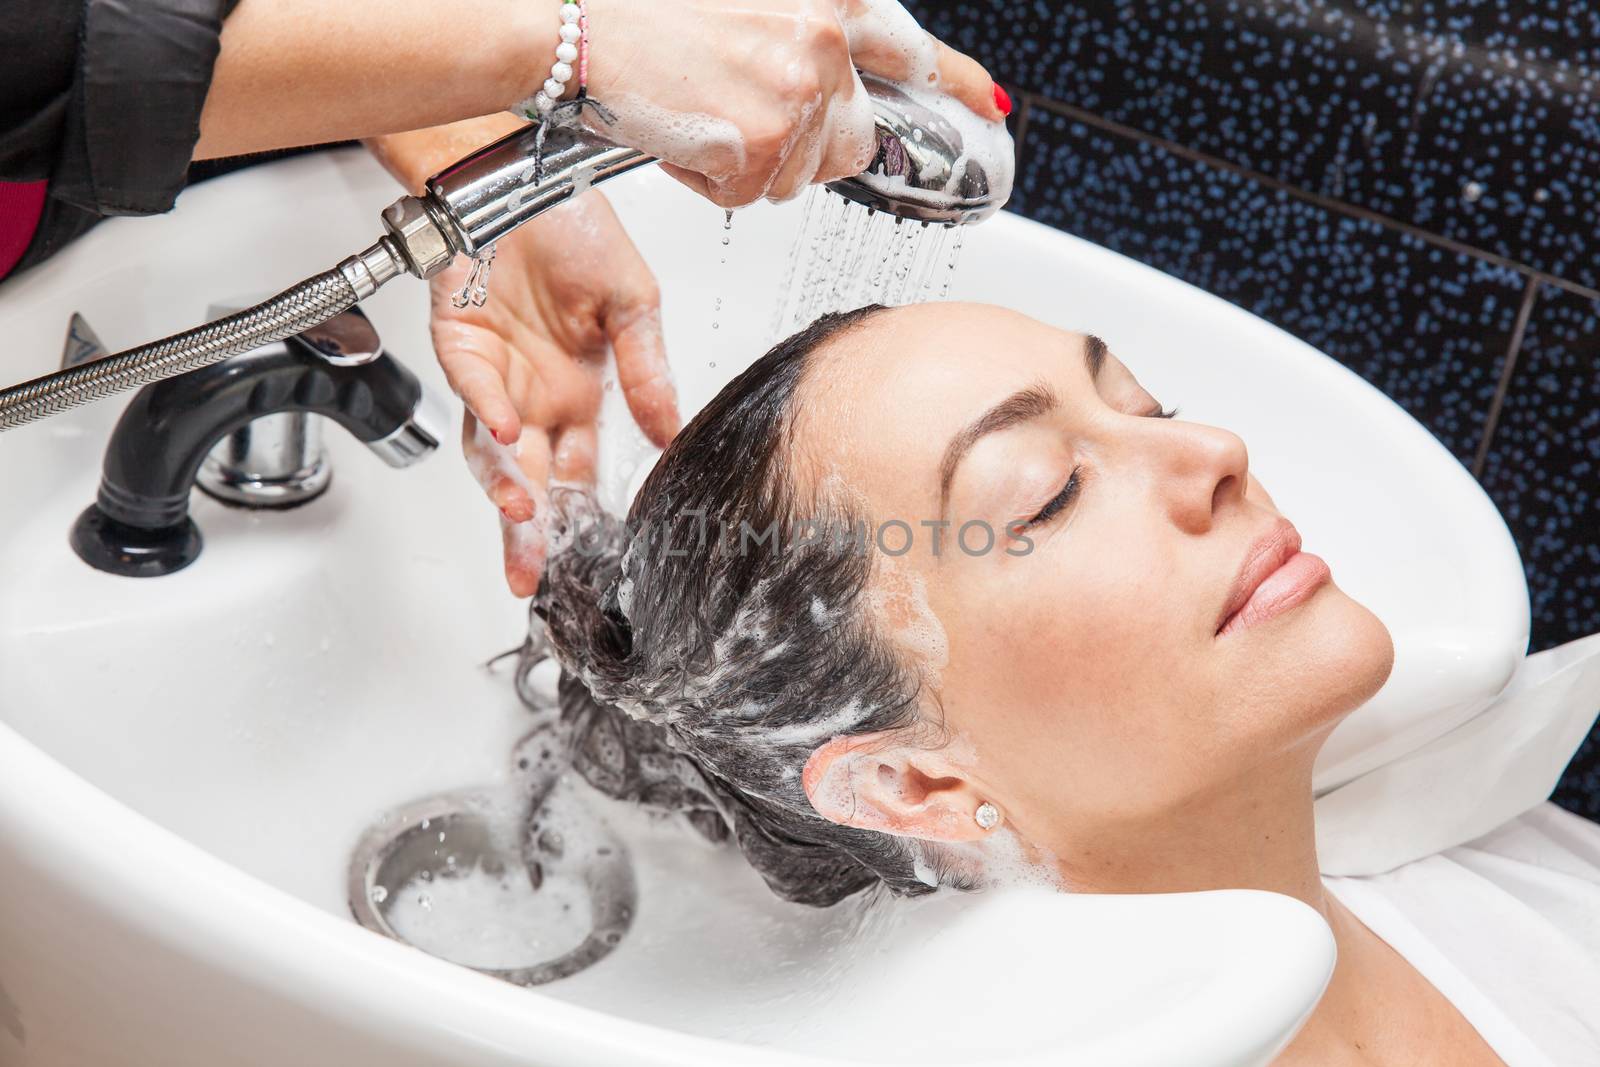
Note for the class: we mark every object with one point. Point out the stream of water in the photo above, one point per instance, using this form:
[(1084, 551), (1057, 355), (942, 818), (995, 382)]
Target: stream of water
[(847, 255)]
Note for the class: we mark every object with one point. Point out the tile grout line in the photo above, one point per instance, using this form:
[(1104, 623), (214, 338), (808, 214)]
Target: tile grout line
[(1530, 296), (1329, 203), (1024, 107)]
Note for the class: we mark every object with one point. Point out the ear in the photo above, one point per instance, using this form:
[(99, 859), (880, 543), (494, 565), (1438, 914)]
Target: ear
[(875, 782)]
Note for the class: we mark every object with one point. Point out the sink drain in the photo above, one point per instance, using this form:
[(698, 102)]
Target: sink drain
[(525, 900)]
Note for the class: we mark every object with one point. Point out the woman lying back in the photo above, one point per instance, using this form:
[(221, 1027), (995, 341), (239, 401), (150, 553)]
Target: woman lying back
[(941, 596)]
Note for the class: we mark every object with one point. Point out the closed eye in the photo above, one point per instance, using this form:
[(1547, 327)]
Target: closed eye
[(1069, 492), (1058, 502)]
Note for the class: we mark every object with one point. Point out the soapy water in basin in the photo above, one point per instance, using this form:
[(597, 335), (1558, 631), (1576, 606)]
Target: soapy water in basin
[(521, 881), (493, 919), (522, 872), (712, 951)]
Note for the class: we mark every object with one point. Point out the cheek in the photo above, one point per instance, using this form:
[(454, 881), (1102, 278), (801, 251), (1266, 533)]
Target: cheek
[(1071, 669)]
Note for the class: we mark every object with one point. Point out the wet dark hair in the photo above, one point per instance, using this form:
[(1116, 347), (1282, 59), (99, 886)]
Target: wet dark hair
[(699, 676)]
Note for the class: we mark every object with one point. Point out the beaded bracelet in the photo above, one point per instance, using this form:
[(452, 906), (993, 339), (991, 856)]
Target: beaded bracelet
[(544, 108), (574, 48)]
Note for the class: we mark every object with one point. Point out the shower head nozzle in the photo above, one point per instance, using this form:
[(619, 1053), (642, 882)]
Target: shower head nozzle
[(928, 168)]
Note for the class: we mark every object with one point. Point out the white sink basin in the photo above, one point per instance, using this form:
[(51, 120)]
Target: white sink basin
[(187, 762)]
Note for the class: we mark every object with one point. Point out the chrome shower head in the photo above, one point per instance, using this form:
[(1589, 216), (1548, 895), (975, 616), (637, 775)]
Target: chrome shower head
[(926, 168)]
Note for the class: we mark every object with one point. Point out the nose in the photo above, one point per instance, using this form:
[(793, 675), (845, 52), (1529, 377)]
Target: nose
[(1206, 471)]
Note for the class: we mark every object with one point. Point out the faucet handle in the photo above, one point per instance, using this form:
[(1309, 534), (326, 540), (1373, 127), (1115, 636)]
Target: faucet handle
[(347, 340)]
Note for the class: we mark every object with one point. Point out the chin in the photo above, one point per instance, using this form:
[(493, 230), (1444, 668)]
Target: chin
[(1350, 653), (1322, 663)]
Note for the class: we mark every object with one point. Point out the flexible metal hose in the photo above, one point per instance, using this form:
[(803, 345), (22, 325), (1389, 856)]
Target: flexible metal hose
[(292, 311)]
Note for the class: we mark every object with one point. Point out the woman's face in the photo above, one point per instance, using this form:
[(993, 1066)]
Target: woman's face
[(1094, 660)]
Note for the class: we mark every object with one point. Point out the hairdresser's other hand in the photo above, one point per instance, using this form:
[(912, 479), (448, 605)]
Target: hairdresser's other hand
[(528, 363), (761, 98)]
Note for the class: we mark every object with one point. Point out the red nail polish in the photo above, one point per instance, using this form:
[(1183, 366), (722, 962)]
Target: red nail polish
[(1002, 99)]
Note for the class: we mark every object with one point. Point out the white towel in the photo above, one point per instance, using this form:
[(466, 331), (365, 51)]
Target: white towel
[(1502, 762)]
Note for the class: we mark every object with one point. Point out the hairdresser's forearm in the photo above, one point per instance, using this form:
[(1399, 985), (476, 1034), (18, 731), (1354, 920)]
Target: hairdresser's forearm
[(416, 155), (296, 72)]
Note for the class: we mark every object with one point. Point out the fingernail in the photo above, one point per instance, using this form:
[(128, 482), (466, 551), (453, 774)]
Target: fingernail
[(496, 435), (1002, 99), (512, 516)]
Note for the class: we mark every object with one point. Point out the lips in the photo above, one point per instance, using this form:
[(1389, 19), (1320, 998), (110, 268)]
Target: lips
[(1274, 577)]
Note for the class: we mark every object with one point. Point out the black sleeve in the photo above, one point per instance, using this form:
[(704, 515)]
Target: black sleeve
[(102, 99), (39, 43)]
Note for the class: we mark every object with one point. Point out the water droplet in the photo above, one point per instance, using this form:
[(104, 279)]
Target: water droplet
[(727, 219), (713, 364), (1472, 192), (716, 326), (425, 823), (441, 836), (425, 902), (725, 240), (379, 894)]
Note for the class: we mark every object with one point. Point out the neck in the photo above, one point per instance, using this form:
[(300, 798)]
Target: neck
[(1255, 832)]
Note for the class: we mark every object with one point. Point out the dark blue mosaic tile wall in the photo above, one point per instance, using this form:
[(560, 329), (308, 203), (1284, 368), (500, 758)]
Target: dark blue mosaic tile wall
[(1543, 471), (1412, 186)]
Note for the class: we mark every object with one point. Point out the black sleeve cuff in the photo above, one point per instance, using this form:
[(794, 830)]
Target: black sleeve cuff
[(143, 73)]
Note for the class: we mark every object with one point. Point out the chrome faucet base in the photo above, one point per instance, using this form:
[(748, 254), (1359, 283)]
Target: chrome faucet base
[(275, 462)]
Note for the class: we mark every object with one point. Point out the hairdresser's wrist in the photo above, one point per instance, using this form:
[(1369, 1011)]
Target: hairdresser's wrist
[(417, 155)]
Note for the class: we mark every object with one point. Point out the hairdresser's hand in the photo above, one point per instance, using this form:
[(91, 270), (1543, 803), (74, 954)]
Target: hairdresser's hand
[(761, 98), (528, 363)]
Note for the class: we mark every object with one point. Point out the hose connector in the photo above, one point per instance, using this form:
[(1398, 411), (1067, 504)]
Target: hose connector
[(368, 270), (417, 237)]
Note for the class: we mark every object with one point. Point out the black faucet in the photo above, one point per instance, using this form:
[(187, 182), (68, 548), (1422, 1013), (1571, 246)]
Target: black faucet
[(139, 525)]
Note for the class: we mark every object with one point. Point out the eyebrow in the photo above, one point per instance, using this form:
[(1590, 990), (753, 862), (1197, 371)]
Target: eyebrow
[(1025, 404), (1094, 355)]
